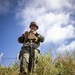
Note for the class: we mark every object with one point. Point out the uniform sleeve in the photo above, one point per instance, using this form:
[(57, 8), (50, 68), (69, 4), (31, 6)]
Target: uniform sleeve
[(21, 39), (40, 38)]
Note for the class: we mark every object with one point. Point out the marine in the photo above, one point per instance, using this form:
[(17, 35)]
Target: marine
[(27, 38)]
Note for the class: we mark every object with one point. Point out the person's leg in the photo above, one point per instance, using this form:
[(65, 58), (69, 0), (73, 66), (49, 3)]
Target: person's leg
[(36, 55), (24, 63)]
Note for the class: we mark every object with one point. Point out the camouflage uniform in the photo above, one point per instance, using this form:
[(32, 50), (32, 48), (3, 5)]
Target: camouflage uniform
[(24, 54)]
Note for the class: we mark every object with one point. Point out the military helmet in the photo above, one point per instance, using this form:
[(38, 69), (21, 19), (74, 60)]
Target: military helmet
[(33, 24)]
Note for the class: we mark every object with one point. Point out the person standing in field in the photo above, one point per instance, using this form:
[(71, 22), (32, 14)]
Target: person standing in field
[(25, 51)]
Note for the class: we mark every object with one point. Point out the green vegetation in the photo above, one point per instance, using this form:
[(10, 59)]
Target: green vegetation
[(47, 65)]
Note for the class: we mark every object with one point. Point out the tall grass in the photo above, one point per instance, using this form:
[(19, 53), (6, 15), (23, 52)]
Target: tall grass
[(47, 65), (10, 70)]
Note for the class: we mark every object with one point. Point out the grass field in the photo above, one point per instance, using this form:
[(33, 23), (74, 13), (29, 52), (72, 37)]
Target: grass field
[(47, 65)]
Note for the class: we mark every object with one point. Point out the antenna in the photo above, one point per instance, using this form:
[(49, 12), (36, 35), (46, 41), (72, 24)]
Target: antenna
[(1, 56), (17, 56)]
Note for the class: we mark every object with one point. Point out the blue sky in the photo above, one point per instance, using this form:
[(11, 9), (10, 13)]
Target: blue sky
[(55, 18)]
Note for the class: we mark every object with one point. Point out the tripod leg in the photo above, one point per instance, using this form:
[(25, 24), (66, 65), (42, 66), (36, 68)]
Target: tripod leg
[(31, 62)]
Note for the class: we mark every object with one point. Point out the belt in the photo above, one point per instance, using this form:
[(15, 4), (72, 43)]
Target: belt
[(33, 45)]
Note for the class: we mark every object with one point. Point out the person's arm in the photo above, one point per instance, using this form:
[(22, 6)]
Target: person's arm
[(21, 39), (40, 38)]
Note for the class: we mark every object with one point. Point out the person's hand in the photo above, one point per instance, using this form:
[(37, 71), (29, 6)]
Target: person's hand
[(32, 37), (32, 31), (26, 34)]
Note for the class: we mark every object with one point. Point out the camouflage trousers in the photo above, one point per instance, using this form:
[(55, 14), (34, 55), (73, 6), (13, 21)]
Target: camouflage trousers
[(24, 59)]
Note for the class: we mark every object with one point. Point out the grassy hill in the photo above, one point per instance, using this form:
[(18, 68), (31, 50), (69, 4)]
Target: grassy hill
[(47, 65)]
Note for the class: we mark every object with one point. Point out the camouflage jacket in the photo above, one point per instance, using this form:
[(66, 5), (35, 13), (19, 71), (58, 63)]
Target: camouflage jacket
[(21, 39)]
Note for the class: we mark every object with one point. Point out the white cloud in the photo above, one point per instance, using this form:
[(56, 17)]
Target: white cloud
[(36, 9), (68, 47), (57, 34), (37, 6), (51, 25), (54, 4), (51, 4), (48, 20)]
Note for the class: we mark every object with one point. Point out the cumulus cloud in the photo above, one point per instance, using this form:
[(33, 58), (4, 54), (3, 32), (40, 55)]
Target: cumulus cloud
[(57, 34), (56, 4), (54, 18), (68, 47)]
